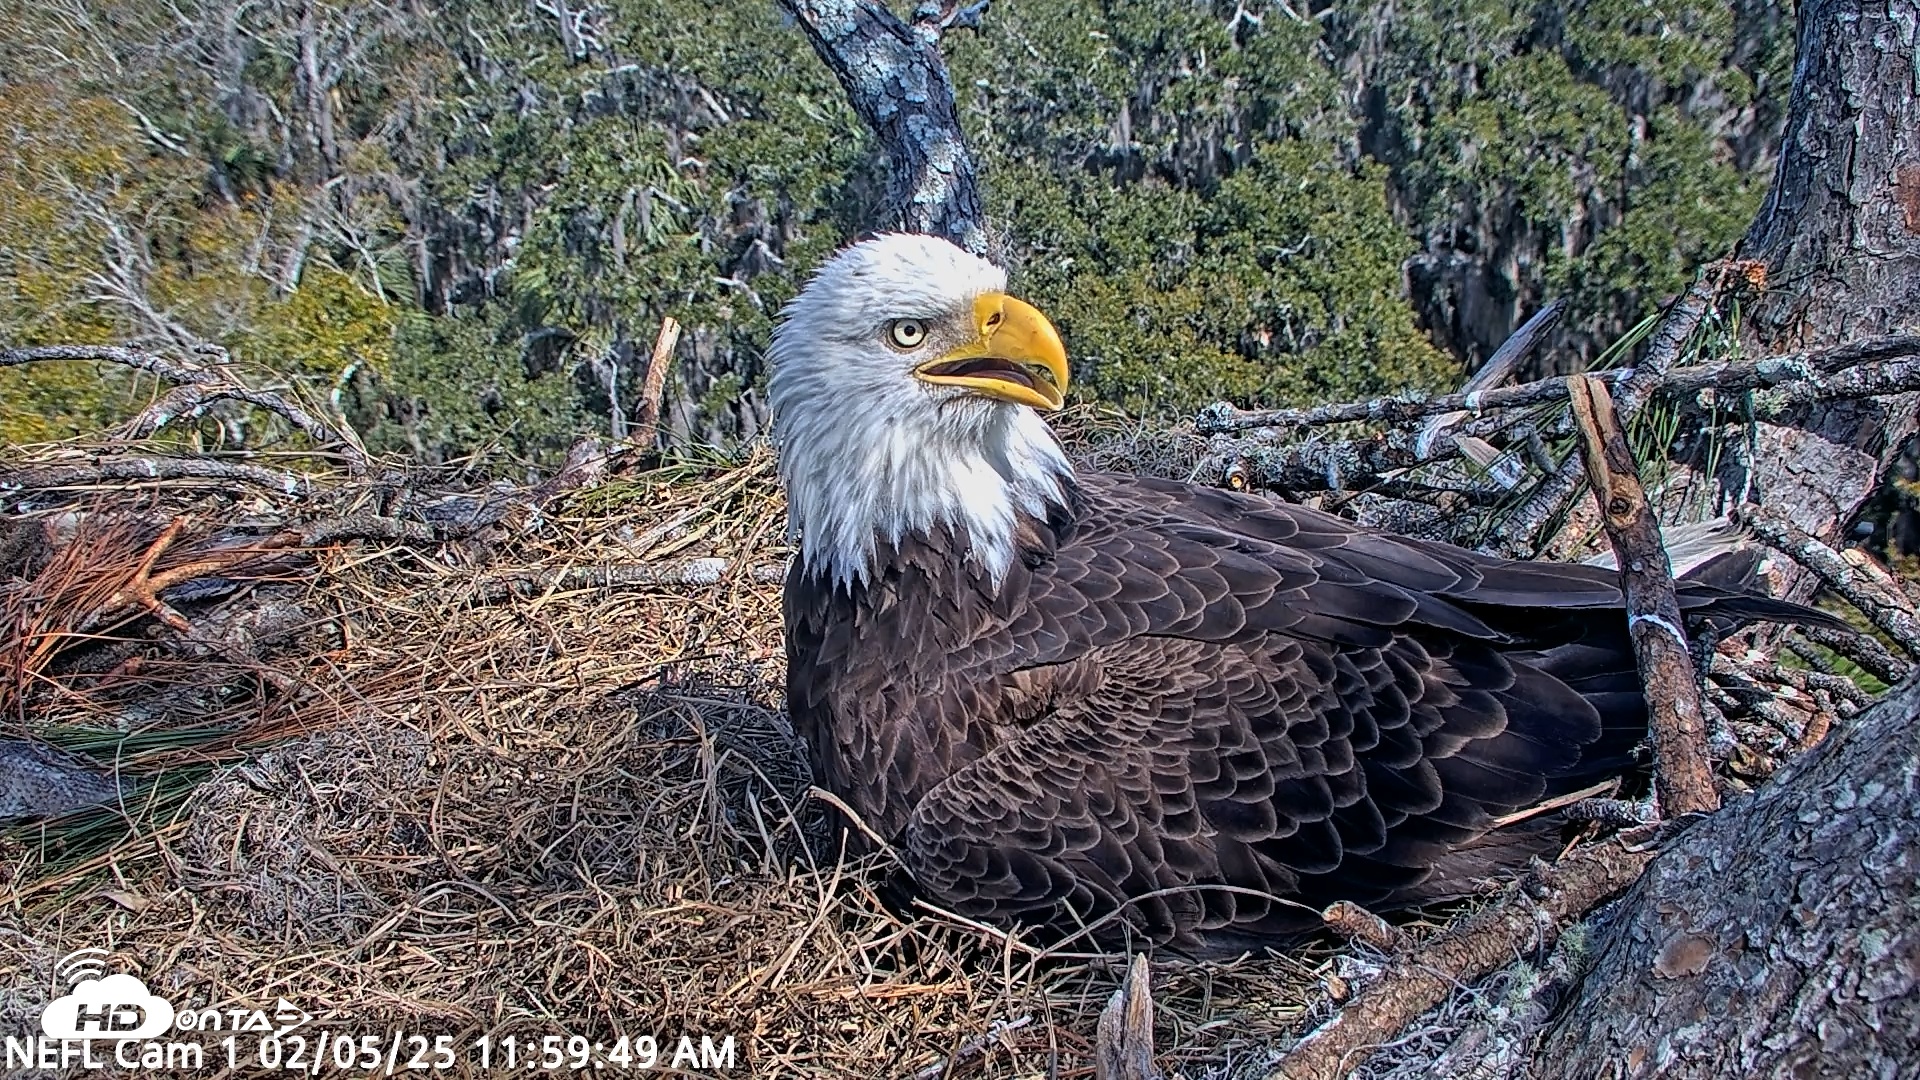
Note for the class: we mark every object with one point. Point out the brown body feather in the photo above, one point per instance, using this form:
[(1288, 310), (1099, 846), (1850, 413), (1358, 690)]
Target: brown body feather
[(1181, 688)]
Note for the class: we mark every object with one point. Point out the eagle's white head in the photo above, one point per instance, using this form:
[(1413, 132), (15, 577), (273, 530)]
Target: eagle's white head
[(903, 389)]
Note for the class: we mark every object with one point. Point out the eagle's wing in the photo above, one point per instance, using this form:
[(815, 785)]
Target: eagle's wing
[(1265, 698)]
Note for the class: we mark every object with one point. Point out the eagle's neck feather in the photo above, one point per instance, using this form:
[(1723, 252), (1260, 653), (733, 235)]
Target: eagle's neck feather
[(862, 479)]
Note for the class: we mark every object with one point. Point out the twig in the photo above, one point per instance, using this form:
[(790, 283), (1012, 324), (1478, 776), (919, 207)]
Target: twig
[(1676, 327), (646, 424), (1804, 681), (1731, 376), (1617, 813), (1419, 979), (973, 1049), (1681, 770), (629, 576), (1888, 609), (190, 399), (1604, 787), (1123, 1038), (1864, 650)]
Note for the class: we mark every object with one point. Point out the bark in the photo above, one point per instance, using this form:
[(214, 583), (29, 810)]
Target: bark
[(1682, 772), (1840, 237), (895, 80), (1780, 937)]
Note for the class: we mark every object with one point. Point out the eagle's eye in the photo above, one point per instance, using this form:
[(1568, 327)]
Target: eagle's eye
[(906, 333)]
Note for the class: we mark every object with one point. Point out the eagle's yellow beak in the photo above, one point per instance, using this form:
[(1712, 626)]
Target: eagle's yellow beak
[(1017, 356)]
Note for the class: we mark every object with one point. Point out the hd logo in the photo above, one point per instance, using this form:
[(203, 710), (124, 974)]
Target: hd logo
[(114, 1007)]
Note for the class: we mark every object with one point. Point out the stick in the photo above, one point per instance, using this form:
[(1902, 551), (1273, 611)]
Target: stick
[(1887, 608), (1864, 650), (1728, 377), (1420, 979), (1681, 769), (646, 424), (1358, 464), (133, 358), (973, 1049), (708, 571), (190, 399), (1355, 923), (199, 387), (123, 470), (1123, 1038)]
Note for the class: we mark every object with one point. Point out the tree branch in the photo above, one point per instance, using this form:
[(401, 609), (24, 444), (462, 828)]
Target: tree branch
[(1812, 368), (190, 399), (135, 470), (197, 388), (1882, 602), (1682, 773), (1421, 978), (133, 358)]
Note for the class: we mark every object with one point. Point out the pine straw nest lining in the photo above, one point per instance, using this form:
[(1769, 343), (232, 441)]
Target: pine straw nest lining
[(472, 795)]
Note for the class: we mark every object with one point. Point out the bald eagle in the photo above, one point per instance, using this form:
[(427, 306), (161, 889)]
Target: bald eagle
[(1187, 715)]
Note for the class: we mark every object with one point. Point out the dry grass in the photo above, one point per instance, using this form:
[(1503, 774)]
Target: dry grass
[(453, 790)]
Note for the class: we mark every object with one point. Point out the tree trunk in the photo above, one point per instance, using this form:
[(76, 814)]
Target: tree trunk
[(1778, 938), (1781, 937), (894, 79), (1840, 237)]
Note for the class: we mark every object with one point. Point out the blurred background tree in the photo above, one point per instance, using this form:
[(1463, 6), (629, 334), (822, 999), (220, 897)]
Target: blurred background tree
[(459, 222)]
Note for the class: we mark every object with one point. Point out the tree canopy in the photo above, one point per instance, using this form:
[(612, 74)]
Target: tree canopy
[(460, 222)]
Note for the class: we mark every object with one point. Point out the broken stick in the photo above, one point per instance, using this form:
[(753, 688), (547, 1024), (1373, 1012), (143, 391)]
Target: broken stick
[(1123, 1040), (646, 425), (1683, 775)]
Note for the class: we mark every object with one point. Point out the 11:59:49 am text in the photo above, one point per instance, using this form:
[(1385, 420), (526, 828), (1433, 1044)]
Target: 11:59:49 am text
[(400, 1051)]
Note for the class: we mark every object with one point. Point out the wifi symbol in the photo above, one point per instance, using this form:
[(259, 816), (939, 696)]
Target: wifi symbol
[(81, 965)]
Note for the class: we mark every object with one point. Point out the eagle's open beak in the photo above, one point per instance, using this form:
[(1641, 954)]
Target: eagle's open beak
[(1017, 357)]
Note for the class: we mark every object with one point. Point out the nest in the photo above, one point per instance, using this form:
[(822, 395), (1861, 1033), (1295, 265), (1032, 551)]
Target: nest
[(417, 752), (529, 778)]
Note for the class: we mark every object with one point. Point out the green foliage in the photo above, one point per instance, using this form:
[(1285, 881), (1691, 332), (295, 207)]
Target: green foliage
[(480, 216), (1180, 267), (328, 327), (1596, 141), (460, 386)]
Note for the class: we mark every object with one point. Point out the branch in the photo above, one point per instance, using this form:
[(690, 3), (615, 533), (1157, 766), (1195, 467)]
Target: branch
[(935, 17), (646, 424), (1123, 1038), (133, 358), (894, 79), (709, 571), (190, 399), (1811, 367), (1864, 650), (1880, 366), (139, 469), (1681, 770), (198, 387), (1423, 977), (1878, 597)]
